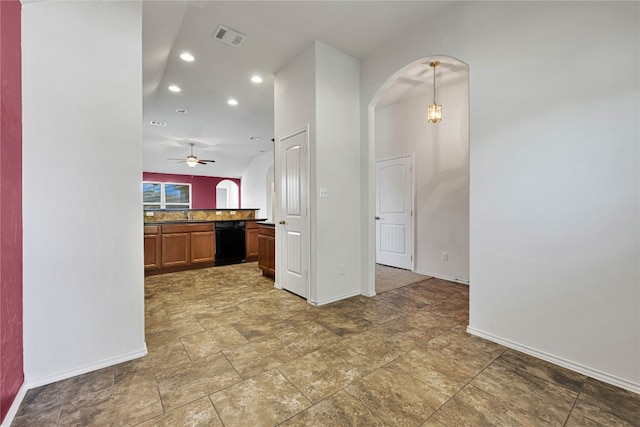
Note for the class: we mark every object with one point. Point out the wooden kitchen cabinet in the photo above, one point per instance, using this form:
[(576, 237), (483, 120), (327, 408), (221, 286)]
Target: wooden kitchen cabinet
[(267, 249), (251, 241), (203, 246), (178, 246), (152, 247), (175, 249)]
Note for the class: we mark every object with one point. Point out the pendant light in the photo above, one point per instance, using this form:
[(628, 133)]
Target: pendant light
[(435, 110)]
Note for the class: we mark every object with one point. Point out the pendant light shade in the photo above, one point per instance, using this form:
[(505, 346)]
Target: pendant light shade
[(435, 113), (435, 110)]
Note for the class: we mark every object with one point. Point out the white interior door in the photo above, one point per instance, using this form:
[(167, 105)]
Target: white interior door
[(394, 213), (293, 237)]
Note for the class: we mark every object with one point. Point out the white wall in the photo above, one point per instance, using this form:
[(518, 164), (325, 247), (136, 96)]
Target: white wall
[(554, 174), (441, 174), (321, 87), (294, 109), (229, 199), (337, 168), (83, 259), (254, 184)]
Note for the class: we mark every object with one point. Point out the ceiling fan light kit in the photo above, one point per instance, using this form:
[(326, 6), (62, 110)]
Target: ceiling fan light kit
[(191, 160)]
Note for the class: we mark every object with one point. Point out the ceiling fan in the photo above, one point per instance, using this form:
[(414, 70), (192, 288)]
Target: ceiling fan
[(192, 160)]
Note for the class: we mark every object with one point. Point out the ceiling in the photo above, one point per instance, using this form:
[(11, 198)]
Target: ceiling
[(275, 33)]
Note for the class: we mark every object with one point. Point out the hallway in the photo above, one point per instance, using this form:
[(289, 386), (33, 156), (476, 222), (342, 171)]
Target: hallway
[(227, 349)]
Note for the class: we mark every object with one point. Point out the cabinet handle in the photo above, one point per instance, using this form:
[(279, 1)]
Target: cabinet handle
[(283, 222)]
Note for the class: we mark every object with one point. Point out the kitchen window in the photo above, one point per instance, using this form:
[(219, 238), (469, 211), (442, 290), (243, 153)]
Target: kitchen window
[(165, 195)]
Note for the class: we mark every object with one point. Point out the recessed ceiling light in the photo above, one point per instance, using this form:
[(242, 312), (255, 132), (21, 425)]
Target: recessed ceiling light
[(174, 88), (157, 123), (232, 101), (186, 56), (181, 111), (256, 79)]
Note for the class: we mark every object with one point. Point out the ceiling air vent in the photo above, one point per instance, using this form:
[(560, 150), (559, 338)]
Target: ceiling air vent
[(228, 36)]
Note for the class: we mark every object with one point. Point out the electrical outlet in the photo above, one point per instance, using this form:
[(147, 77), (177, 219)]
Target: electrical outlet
[(445, 256), (149, 213), (324, 193), (341, 269)]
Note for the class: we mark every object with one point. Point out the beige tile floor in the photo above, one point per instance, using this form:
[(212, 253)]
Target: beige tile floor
[(227, 349), (389, 278)]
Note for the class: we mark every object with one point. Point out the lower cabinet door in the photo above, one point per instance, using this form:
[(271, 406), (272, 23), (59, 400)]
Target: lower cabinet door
[(175, 249), (267, 255), (202, 246), (252, 244), (152, 251)]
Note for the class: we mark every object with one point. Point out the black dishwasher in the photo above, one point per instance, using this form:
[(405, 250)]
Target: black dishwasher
[(230, 242)]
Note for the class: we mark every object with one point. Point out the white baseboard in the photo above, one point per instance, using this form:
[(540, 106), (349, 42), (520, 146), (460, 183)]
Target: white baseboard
[(585, 370), (368, 294), (13, 410), (443, 277), (28, 384), (338, 298), (37, 382)]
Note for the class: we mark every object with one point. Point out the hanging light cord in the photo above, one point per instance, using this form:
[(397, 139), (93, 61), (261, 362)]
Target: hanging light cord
[(434, 84)]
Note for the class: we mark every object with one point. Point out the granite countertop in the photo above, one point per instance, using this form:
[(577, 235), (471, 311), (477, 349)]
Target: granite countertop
[(198, 209), (203, 221)]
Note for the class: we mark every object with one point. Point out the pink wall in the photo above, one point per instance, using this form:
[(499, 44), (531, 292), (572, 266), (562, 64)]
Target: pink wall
[(203, 188), (11, 367)]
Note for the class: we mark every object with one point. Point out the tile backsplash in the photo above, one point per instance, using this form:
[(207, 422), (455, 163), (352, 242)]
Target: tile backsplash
[(198, 215)]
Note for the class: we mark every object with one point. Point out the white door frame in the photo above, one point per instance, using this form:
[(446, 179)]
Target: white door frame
[(413, 202), (279, 214)]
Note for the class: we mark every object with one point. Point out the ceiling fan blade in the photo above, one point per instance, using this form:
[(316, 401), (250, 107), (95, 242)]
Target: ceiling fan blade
[(176, 159), (204, 160), (200, 162)]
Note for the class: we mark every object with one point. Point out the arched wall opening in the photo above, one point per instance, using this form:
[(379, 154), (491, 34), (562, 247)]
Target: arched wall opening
[(227, 195), (398, 127)]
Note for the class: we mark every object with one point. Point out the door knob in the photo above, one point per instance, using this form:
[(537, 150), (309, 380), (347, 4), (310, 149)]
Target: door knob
[(283, 222), (377, 218)]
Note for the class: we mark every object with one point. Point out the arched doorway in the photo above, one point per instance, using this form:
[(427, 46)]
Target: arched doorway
[(398, 127)]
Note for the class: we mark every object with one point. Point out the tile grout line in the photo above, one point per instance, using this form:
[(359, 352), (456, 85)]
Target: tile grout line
[(59, 414), (215, 409), (575, 402), (465, 384)]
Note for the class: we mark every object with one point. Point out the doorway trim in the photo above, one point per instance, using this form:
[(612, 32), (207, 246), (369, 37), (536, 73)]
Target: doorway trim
[(413, 203), (279, 215)]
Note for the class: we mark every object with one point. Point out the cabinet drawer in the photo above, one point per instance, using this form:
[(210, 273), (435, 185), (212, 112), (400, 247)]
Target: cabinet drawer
[(187, 228), (151, 229)]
